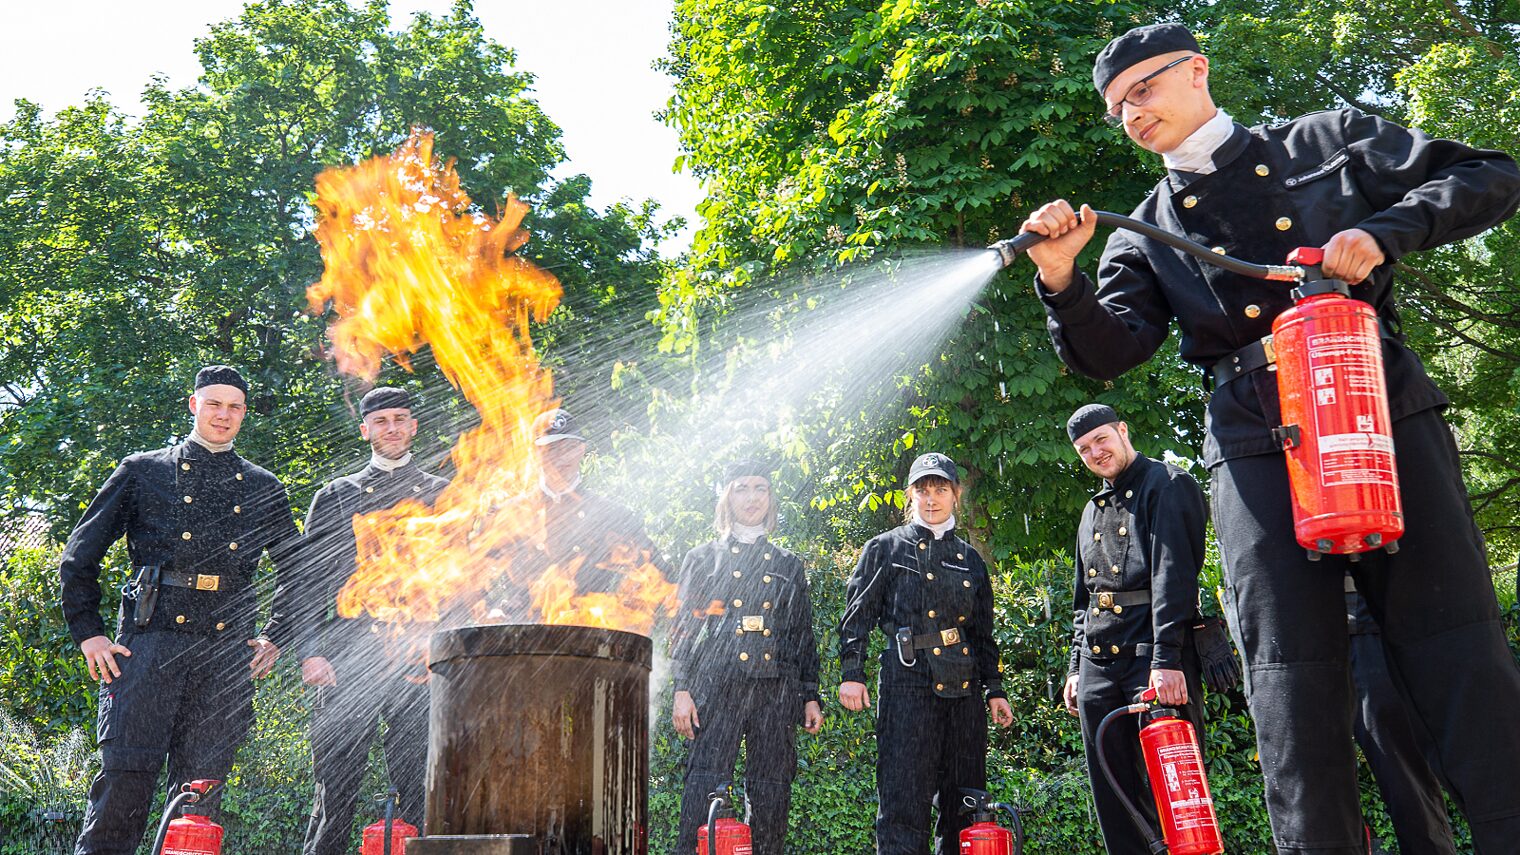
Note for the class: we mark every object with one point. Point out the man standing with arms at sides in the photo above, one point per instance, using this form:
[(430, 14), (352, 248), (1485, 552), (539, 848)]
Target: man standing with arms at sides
[(1368, 192), (1138, 556), (177, 682), (356, 664)]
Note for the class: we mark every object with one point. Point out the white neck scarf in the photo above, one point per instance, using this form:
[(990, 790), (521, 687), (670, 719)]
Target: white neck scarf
[(557, 497), (213, 447), (746, 533), (1196, 153), (385, 464), (939, 529)]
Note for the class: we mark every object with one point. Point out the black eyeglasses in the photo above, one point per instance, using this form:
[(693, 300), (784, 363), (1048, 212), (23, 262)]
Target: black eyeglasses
[(1138, 94)]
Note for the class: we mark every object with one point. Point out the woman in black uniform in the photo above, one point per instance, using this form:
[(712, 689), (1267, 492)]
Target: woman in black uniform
[(930, 593)]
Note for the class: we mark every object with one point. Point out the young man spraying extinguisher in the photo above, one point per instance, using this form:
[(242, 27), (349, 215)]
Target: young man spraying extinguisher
[(1367, 192), (930, 593), (1139, 551)]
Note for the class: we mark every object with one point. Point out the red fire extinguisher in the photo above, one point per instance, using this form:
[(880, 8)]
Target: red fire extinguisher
[(1174, 764), (387, 836), (984, 836), (191, 834), (1335, 425), (730, 836)]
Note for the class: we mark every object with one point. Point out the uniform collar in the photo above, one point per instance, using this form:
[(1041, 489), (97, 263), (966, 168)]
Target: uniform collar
[(919, 531), (1233, 146), (1196, 153), (191, 450), (555, 498), (1130, 475)]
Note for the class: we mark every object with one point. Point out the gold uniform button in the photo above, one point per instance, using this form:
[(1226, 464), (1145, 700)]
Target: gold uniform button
[(237, 509), (965, 651), (580, 515), (1253, 311), (961, 556), (1123, 531), (1096, 611), (966, 685), (1129, 494), (936, 651), (962, 618), (1100, 503), (1190, 201), (239, 476), (1283, 224), (1097, 535), (737, 574), (765, 579), (416, 488), (734, 550), (939, 687), (766, 556), (739, 631), (966, 583), (185, 535), (1091, 572), (766, 633), (1118, 610), (1097, 649), (738, 603), (179, 618), (1262, 170), (232, 546), (930, 576), (369, 489), (1114, 569), (188, 500), (220, 626), (1114, 649), (766, 604), (923, 546), (576, 548), (1218, 250), (932, 613), (767, 657), (743, 657)]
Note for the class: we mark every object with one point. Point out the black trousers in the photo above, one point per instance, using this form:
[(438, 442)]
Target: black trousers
[(927, 749), (1396, 749), (764, 715), (1435, 603), (1104, 685), (181, 697), (343, 723)]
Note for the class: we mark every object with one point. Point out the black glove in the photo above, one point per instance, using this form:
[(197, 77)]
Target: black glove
[(1220, 667)]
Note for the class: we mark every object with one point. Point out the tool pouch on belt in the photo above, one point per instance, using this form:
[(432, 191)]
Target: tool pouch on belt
[(904, 642), (145, 593)]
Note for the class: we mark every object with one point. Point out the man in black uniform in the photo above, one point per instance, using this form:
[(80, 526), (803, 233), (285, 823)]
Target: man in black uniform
[(1395, 747), (197, 518), (1369, 192), (359, 665), (569, 528), (745, 662), (1138, 555), (930, 593)]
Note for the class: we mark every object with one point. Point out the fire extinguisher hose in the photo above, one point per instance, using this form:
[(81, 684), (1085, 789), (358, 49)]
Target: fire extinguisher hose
[(712, 823), (1018, 828), (171, 809), (1152, 838), (1010, 248)]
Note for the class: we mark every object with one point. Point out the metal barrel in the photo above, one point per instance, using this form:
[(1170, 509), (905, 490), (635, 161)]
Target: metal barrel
[(539, 731)]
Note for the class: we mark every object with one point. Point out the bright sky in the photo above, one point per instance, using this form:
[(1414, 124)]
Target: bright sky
[(593, 60)]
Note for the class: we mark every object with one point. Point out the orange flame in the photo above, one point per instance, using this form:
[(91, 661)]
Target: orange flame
[(409, 265)]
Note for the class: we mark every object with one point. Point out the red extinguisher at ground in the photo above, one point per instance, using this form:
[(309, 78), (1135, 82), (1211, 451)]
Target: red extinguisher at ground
[(191, 834), (730, 836), (984, 836), (1174, 764), (1335, 429), (387, 836)]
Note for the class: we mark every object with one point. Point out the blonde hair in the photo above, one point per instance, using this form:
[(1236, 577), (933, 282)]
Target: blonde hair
[(723, 515), (926, 481)]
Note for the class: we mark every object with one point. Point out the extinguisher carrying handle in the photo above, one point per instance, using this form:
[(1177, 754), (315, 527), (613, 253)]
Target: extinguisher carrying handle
[(719, 798), (1153, 839), (190, 792)]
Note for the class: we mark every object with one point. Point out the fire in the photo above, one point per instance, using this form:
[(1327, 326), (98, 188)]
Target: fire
[(409, 265)]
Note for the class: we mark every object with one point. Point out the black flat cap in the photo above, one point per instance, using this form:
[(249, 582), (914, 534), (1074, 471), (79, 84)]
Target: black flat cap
[(220, 375), (384, 398), (1088, 418), (1138, 45), (747, 468), (554, 426), (933, 464)]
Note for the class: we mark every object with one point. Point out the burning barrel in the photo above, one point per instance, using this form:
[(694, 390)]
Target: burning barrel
[(538, 742)]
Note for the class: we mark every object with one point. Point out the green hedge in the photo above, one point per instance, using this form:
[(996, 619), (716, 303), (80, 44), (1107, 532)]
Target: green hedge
[(1037, 763)]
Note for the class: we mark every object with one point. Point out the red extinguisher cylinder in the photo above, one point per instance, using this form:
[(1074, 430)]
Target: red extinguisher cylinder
[(732, 835), (374, 837), (1336, 431), (1174, 764), (193, 834), (986, 838)]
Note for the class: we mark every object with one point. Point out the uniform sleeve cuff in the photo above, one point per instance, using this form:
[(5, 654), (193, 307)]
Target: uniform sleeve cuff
[(87, 631), (1166, 658), (853, 675), (1068, 298), (994, 694)]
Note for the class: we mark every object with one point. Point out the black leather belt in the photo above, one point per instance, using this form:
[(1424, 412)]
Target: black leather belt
[(1260, 354), (1121, 599), (943, 638), (1115, 651), (193, 581)]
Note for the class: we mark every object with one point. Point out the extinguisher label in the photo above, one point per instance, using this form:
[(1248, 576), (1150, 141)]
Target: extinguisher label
[(1347, 376), (1187, 791)]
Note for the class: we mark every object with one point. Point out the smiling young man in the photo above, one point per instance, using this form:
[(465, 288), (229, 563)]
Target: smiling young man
[(1369, 192), (1139, 552), (355, 665), (744, 660), (177, 681)]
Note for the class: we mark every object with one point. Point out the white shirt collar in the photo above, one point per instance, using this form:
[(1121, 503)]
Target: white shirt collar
[(939, 529), (558, 497), (1196, 153), (385, 464), (746, 533)]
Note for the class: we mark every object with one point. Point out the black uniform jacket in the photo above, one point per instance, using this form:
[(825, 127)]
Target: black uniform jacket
[(204, 516), (744, 612), (938, 588), (1277, 188), (331, 551), (1142, 533)]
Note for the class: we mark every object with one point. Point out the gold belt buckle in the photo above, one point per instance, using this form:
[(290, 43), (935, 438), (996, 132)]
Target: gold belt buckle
[(753, 623), (1269, 349), (207, 583), (1105, 600), (950, 636)]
